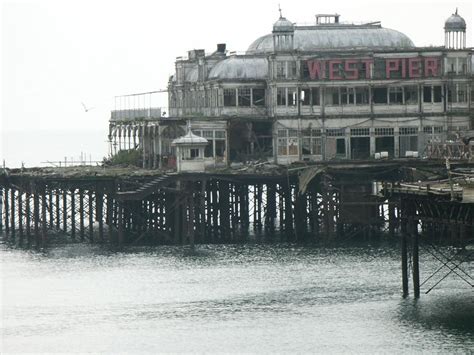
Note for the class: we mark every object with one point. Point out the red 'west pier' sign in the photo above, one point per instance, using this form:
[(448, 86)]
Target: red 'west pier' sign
[(350, 69)]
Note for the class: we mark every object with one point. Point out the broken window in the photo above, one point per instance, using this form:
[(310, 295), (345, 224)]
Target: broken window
[(282, 142), (451, 66), (194, 153), (229, 97), (280, 70), (396, 95), (347, 96), (258, 97), (315, 97), (360, 131), (332, 96), (291, 69), (411, 94), (335, 132), (462, 65), (462, 93), (427, 94), (281, 96), (382, 131), (380, 95), (311, 142), (341, 146), (306, 97), (362, 96), (437, 96), (244, 96), (292, 96), (406, 131), (408, 140)]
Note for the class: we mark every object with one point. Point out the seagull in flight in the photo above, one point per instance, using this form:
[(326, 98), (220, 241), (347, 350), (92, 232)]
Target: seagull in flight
[(87, 109)]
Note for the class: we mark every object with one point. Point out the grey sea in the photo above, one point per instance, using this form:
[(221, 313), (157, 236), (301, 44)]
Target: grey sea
[(259, 298)]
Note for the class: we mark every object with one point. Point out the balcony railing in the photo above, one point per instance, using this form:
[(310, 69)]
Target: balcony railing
[(150, 113)]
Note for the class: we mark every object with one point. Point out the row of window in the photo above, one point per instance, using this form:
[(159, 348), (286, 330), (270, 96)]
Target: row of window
[(398, 95), (311, 140), (361, 131), (244, 97), (332, 96)]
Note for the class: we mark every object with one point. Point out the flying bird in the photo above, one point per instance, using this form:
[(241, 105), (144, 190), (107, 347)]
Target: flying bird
[(87, 109)]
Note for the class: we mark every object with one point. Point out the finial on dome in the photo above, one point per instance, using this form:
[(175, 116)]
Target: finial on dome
[(279, 9), (456, 10)]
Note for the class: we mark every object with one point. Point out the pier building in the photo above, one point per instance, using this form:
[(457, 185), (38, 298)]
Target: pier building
[(330, 90)]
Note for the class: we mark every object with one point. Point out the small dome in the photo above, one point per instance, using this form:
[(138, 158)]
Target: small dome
[(190, 139), (283, 25), (455, 23)]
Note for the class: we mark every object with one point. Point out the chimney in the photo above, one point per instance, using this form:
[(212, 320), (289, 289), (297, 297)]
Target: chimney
[(221, 48)]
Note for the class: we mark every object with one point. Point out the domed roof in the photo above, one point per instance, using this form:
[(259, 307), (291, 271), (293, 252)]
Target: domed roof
[(455, 23), (240, 68), (338, 37), (283, 25)]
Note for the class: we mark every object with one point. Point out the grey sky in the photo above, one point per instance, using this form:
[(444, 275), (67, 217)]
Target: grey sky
[(57, 54)]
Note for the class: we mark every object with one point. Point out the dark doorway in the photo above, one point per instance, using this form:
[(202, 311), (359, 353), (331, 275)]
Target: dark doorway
[(250, 141), (360, 147), (385, 144), (341, 148)]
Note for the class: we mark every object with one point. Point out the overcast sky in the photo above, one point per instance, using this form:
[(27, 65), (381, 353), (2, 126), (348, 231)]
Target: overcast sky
[(57, 54)]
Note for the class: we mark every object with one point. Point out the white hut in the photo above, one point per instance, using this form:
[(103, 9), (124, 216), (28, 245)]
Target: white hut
[(190, 152)]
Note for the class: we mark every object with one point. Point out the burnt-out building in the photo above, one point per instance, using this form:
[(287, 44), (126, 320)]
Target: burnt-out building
[(326, 91)]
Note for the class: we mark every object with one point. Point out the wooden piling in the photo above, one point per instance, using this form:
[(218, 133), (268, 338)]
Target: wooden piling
[(28, 219), (99, 205), (91, 215), (73, 214), (12, 214), (65, 211), (7, 211), (404, 249), (44, 228), (50, 209), (81, 214), (36, 217), (1, 209), (121, 237), (20, 216), (58, 210), (109, 217), (415, 256)]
